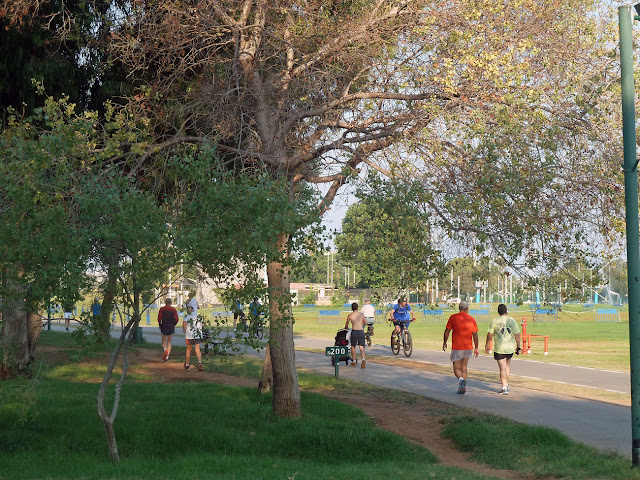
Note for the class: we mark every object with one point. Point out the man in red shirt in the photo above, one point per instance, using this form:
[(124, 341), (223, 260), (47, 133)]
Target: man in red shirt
[(465, 329), (167, 320)]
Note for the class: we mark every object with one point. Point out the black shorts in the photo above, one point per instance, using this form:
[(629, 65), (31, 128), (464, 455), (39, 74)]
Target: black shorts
[(168, 329), (357, 338), (500, 356)]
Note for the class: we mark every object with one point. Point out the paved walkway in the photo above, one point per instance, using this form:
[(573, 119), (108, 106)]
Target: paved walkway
[(599, 424)]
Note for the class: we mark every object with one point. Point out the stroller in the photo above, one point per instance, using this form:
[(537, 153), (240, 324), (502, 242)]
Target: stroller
[(341, 340)]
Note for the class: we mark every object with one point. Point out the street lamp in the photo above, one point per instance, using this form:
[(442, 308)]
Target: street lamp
[(625, 18)]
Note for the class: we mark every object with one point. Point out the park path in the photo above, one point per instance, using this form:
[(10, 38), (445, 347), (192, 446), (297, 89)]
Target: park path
[(599, 424)]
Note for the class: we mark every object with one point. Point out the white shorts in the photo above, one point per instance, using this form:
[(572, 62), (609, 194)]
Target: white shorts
[(369, 320), (67, 314), (460, 354)]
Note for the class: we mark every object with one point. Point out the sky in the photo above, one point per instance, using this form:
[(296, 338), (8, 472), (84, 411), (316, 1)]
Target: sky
[(334, 216)]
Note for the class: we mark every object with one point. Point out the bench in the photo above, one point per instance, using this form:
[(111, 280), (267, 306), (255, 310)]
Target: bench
[(481, 315), (607, 315), (545, 315), (206, 340), (328, 317), (432, 316)]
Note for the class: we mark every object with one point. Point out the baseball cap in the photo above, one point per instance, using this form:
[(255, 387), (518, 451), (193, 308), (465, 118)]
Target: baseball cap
[(463, 305)]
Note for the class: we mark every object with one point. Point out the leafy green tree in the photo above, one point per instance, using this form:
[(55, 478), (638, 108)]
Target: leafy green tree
[(71, 211), (500, 116), (44, 250), (131, 241), (323, 266), (386, 237), (63, 45)]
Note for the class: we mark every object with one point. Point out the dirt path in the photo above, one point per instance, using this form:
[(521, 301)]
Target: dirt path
[(422, 421)]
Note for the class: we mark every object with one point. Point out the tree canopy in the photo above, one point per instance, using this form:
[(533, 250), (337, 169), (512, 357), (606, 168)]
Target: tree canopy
[(500, 111), (387, 237)]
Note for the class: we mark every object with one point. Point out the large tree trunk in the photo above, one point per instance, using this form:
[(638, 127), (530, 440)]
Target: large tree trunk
[(286, 391), (20, 333)]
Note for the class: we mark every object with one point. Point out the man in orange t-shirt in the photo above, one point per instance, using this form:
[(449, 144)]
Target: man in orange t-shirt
[(465, 329)]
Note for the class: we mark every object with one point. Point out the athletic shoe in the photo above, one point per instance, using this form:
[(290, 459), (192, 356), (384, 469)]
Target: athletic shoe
[(187, 366), (354, 364), (363, 363), (462, 388), (165, 356), (200, 367), (504, 391)]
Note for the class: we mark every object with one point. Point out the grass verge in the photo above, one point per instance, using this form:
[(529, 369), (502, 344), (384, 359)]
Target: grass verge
[(498, 442), (533, 451), (201, 430), (192, 430)]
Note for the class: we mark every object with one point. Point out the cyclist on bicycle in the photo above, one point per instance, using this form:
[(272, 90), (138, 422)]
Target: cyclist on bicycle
[(402, 315), (254, 309)]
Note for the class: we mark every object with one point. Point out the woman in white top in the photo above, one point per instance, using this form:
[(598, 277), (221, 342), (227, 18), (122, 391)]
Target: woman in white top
[(192, 327)]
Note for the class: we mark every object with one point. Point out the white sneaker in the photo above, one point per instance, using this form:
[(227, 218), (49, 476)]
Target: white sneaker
[(504, 391)]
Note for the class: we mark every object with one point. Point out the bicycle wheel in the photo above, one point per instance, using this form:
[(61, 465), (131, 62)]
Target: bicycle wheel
[(395, 343), (408, 344)]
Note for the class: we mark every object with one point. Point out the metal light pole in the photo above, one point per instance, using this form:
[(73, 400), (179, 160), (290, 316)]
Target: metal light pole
[(626, 17)]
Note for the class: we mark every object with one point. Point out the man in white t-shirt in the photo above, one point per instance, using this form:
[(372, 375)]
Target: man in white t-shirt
[(368, 311), (192, 327)]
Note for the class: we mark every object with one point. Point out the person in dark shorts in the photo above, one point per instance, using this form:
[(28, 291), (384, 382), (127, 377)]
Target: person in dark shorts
[(357, 320), (504, 332), (167, 320), (402, 315), (238, 313)]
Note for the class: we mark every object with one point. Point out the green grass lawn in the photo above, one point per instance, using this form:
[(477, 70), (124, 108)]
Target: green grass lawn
[(50, 429), (194, 430), (533, 451)]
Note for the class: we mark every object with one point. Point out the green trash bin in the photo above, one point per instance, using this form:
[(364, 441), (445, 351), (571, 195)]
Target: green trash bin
[(138, 334)]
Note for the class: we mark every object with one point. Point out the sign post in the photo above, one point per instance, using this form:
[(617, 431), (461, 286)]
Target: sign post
[(336, 352)]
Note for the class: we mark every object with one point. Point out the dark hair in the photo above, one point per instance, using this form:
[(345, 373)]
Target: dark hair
[(354, 306), (502, 309)]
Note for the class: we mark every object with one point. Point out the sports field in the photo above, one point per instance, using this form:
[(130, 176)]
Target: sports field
[(575, 336)]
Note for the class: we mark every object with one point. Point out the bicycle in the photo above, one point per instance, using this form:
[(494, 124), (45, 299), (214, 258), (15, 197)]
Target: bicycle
[(257, 327), (405, 340), (368, 333)]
